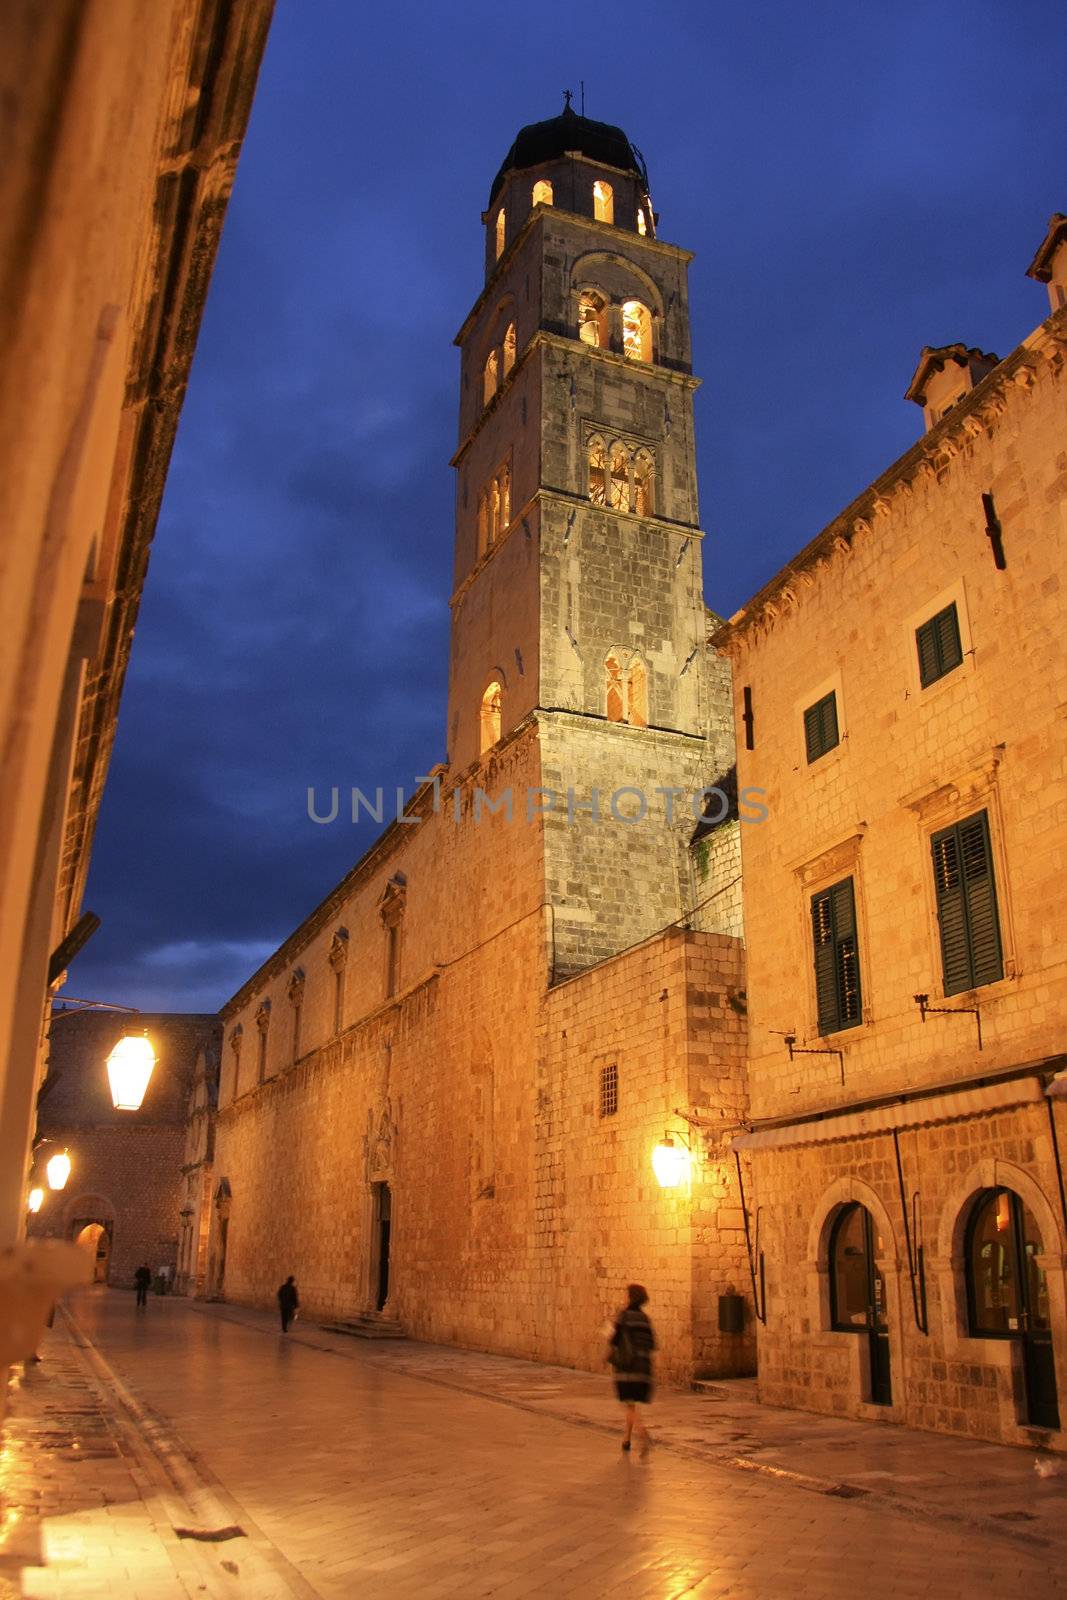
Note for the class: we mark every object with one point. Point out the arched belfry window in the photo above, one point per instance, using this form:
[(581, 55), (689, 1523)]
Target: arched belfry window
[(603, 201), (592, 308), (643, 501), (636, 331), (490, 717), (501, 229), (504, 497), (620, 478), (642, 225), (490, 377), (509, 348), (542, 192), (626, 686), (597, 472)]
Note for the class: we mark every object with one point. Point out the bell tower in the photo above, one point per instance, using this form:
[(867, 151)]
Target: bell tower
[(577, 610)]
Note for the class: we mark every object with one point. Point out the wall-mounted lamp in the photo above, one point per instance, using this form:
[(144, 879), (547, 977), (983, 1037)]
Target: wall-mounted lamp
[(671, 1162), (57, 1170), (35, 1200), (129, 1067)]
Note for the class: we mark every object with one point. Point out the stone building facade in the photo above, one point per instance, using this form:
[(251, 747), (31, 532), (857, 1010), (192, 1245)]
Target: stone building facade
[(439, 1098), (124, 1194), (900, 690)]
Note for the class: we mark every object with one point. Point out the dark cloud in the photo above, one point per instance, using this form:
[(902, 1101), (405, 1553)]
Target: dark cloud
[(854, 184)]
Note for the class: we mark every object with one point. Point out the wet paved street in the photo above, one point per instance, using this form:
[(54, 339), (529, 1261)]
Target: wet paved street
[(339, 1469)]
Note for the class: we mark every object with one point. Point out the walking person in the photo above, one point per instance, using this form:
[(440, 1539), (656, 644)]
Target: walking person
[(142, 1280), (630, 1355), (288, 1300)]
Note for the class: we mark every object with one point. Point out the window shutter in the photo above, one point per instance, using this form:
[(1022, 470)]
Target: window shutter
[(846, 954), (820, 727), (836, 948), (822, 929), (967, 905), (939, 645)]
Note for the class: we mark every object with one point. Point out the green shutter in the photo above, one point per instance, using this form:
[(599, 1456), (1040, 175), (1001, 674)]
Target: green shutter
[(967, 905), (939, 645), (820, 727), (836, 949)]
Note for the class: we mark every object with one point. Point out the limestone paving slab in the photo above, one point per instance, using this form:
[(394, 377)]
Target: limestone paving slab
[(383, 1471)]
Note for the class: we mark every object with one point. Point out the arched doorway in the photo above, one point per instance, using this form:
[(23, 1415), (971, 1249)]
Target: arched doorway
[(857, 1293), (1007, 1293), (95, 1237), (383, 1222)]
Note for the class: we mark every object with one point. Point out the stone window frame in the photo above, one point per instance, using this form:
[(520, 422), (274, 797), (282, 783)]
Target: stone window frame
[(940, 806), (608, 1090), (392, 907), (338, 959), (831, 1202), (955, 594), (598, 439), (263, 1029), (295, 995), (625, 659), (842, 860), (491, 528), (236, 1036), (947, 1268), (834, 685)]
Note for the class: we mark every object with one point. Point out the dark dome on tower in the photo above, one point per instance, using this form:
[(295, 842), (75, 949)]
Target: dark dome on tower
[(548, 141)]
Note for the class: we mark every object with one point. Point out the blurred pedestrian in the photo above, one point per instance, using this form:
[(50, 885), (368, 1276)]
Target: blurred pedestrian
[(288, 1300), (142, 1279), (630, 1355)]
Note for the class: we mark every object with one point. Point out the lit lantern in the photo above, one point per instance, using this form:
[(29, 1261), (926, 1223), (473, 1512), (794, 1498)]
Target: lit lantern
[(57, 1170), (129, 1067), (35, 1200), (670, 1163)]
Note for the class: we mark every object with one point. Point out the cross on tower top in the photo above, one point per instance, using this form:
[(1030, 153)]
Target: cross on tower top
[(568, 96)]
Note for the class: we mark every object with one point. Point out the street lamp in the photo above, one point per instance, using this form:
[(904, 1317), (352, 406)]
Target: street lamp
[(34, 1200), (129, 1067), (670, 1162), (57, 1170)]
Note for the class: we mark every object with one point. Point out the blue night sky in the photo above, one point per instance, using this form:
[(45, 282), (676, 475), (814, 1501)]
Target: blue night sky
[(855, 181)]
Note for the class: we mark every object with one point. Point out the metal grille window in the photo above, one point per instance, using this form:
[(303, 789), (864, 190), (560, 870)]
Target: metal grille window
[(967, 905), (837, 958), (609, 1090), (939, 646), (821, 732)]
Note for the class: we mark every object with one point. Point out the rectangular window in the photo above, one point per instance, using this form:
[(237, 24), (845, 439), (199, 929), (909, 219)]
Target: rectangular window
[(938, 643), (820, 727), (967, 905), (609, 1090), (837, 958)]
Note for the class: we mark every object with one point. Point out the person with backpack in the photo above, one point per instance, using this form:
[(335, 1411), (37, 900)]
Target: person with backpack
[(630, 1356)]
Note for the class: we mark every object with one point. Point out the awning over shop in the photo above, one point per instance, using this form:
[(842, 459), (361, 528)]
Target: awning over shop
[(921, 1112)]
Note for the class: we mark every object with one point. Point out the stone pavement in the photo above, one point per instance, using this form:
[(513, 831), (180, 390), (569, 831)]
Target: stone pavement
[(346, 1469)]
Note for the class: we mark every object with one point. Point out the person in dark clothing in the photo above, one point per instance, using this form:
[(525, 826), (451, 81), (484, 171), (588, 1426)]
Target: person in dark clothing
[(630, 1354), (142, 1279), (288, 1300)]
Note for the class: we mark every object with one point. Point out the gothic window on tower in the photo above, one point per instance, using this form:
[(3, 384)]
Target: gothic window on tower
[(501, 226), (620, 478), (542, 192), (391, 908), (643, 502), (490, 718), (494, 510), (627, 688), (642, 225), (592, 308), (490, 377), (636, 331), (597, 471), (509, 348), (603, 201)]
